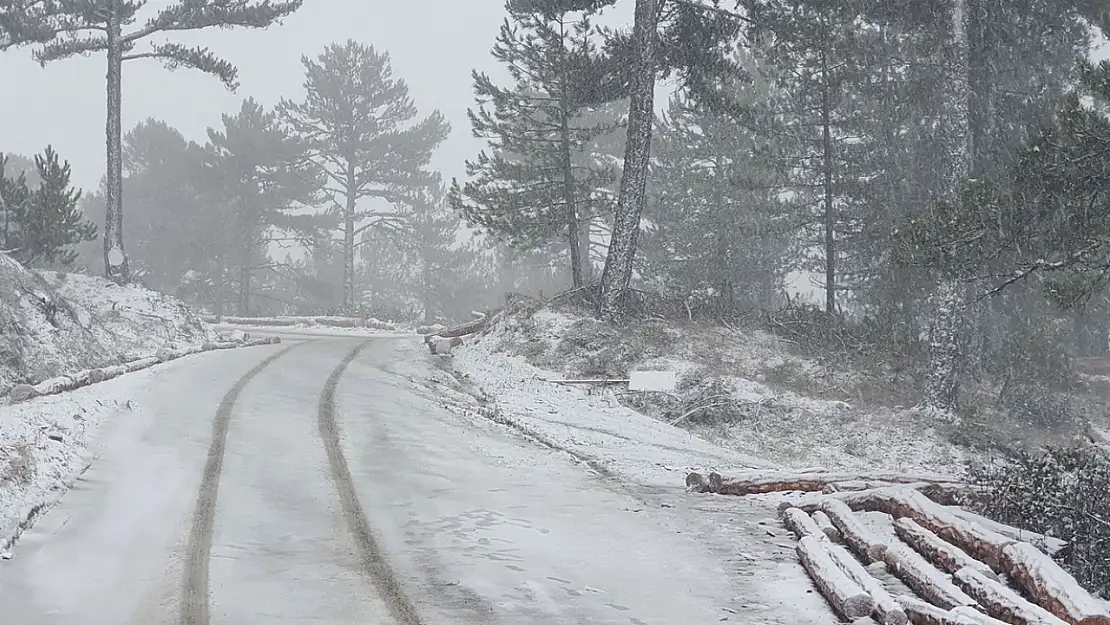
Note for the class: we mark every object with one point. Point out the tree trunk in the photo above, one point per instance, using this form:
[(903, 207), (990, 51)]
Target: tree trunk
[(585, 243), (219, 285), (942, 382), (426, 283), (349, 240), (116, 267), (246, 258), (617, 274), (827, 150), (574, 241)]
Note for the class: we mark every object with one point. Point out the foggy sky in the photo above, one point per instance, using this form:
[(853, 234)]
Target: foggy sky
[(434, 44)]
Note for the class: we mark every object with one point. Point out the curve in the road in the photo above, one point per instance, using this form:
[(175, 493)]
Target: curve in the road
[(370, 554), (194, 600)]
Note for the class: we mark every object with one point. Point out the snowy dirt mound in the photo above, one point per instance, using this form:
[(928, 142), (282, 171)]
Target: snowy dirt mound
[(740, 389), (56, 323)]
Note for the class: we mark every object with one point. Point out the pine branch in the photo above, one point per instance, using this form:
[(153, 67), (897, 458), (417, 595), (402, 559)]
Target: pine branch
[(199, 14), (175, 56)]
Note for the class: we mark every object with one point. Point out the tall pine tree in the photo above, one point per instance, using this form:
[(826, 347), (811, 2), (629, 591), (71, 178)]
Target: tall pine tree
[(67, 28), (265, 180), (360, 125), (532, 189)]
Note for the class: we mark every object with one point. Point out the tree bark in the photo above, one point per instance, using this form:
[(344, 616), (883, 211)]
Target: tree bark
[(770, 482), (924, 578), (220, 285), (1051, 587), (844, 595), (942, 554), (349, 240), (1001, 602), (827, 149), (617, 275), (570, 202), (855, 534), (116, 267), (887, 611), (942, 382)]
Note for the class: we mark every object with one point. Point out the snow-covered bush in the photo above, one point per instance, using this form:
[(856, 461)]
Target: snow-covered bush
[(1059, 492)]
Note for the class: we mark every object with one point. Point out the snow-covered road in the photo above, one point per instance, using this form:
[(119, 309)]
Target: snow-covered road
[(310, 483)]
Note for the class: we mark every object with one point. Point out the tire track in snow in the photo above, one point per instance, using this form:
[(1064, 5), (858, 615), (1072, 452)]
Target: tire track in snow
[(194, 596), (370, 554)]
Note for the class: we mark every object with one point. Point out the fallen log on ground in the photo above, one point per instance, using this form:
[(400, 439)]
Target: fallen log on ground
[(469, 327), (1050, 586), (64, 383), (799, 522), (770, 482), (886, 611), (845, 596), (854, 533), (924, 613), (1001, 602), (924, 578), (941, 553), (825, 524), (836, 487)]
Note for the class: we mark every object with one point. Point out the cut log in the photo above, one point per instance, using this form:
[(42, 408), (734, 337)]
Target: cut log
[(1049, 544), (976, 616), (924, 613), (771, 482), (837, 487), (799, 522), (1050, 586), (887, 611), (469, 327), (845, 596), (924, 578), (856, 535), (1001, 602), (973, 538), (866, 499), (942, 554), (825, 524)]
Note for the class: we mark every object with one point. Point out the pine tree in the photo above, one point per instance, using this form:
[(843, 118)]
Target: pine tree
[(264, 177), (67, 28), (15, 195), (532, 189), (360, 124), (50, 220), (716, 229)]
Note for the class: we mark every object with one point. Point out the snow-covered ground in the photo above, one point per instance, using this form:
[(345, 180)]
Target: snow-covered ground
[(480, 522), (57, 323), (760, 400), (60, 323)]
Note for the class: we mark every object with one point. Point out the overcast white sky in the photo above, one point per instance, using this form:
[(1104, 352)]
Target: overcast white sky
[(434, 45)]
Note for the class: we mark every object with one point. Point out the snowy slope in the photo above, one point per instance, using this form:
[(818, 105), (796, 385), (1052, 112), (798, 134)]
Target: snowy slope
[(54, 323), (750, 394)]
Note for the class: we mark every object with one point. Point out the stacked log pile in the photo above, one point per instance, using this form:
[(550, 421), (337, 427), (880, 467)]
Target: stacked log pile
[(962, 569)]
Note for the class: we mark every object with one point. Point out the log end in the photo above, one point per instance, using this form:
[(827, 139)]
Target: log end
[(696, 483), (859, 606)]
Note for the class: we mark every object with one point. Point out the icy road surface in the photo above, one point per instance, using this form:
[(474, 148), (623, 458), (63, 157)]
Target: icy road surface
[(307, 483)]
